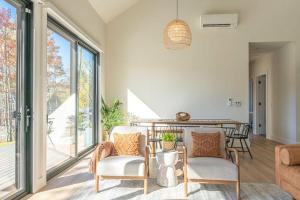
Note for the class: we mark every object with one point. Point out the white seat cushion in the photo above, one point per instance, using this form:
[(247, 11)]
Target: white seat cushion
[(121, 166), (212, 169)]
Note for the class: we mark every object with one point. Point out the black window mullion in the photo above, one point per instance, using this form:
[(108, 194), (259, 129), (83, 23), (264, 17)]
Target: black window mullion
[(76, 67), (96, 98)]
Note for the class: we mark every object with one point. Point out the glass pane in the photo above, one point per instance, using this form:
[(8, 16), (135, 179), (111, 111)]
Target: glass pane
[(61, 100), (11, 166), (85, 119)]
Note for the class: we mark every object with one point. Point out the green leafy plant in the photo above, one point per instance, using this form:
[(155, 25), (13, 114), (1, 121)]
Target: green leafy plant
[(111, 115), (168, 137)]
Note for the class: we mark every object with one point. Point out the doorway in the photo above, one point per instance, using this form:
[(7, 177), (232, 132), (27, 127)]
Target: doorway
[(272, 68)]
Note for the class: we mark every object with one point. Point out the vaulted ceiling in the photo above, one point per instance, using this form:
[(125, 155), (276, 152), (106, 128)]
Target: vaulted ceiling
[(109, 9)]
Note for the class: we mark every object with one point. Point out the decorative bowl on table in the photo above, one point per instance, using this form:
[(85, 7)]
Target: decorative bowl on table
[(183, 116)]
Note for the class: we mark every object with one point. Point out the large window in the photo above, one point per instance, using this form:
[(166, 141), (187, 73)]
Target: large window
[(71, 96), (14, 107)]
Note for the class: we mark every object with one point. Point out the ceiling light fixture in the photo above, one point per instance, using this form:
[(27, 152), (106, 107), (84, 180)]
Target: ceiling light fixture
[(177, 34)]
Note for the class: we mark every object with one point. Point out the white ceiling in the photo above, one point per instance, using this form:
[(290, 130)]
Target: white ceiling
[(258, 48), (109, 9)]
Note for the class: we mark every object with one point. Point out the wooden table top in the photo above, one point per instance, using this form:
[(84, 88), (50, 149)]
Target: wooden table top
[(189, 122)]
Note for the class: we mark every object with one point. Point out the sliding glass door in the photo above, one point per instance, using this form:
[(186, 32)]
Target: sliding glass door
[(71, 96), (14, 107), (61, 98), (86, 96)]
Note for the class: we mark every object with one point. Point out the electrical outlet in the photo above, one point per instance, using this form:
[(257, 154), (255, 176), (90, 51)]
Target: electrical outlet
[(238, 103)]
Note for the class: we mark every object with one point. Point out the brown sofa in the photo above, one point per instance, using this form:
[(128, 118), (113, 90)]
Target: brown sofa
[(287, 168)]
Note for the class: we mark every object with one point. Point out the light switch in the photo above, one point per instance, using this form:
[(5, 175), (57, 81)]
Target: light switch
[(229, 101), (232, 102)]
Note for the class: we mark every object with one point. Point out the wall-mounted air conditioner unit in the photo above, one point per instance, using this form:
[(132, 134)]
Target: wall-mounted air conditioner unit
[(219, 21)]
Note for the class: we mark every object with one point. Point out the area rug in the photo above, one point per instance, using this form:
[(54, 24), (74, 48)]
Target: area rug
[(122, 190)]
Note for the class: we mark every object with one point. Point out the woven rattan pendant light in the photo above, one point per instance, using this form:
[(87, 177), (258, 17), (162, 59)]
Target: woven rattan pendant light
[(177, 34)]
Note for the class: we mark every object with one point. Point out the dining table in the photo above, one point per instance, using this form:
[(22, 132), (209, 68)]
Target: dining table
[(152, 123)]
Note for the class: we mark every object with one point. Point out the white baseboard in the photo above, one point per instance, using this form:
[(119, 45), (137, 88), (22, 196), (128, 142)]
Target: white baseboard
[(281, 139)]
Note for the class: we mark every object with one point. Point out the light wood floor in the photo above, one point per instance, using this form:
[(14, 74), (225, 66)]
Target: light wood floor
[(260, 169)]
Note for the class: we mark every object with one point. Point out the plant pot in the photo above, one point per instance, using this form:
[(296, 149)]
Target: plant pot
[(168, 145), (105, 136)]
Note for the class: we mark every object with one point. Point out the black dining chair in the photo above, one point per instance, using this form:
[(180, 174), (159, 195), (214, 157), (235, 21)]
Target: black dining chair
[(240, 133), (228, 131)]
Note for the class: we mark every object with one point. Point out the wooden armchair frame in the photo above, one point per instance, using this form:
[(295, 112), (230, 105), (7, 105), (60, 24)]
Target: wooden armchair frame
[(145, 177), (206, 181)]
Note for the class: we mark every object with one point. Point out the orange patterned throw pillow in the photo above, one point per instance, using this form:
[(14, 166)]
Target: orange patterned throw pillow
[(127, 144), (206, 144)]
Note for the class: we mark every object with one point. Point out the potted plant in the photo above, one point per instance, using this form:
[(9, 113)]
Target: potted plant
[(111, 116), (168, 141)]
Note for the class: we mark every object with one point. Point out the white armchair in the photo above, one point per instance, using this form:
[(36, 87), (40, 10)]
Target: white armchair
[(209, 170), (125, 167)]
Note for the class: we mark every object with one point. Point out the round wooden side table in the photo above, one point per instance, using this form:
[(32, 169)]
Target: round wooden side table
[(166, 168)]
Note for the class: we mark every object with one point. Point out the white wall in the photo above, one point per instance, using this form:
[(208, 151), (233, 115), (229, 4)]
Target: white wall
[(197, 80), (280, 68), (285, 95), (83, 15)]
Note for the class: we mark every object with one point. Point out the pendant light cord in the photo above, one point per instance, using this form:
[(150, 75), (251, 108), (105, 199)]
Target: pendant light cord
[(176, 9)]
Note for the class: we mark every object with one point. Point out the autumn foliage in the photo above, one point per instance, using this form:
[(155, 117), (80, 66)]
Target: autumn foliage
[(8, 73), (58, 81)]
